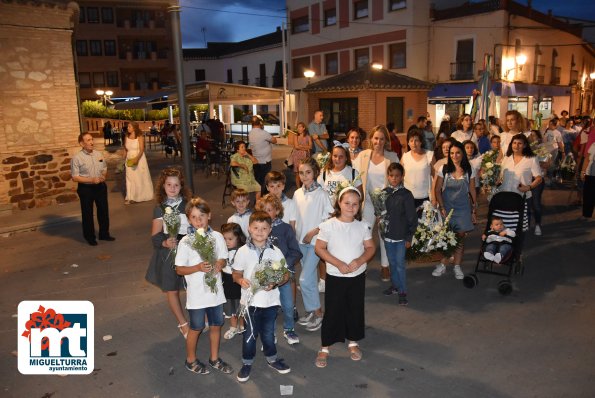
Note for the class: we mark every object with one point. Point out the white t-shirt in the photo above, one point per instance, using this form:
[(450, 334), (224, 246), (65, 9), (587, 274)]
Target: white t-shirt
[(260, 143), (198, 294), (505, 139), (332, 179), (475, 166), (418, 174), (439, 165), (289, 210), (552, 138), (521, 173), (247, 261), (591, 157), (312, 209), (462, 136), (242, 220), (346, 242)]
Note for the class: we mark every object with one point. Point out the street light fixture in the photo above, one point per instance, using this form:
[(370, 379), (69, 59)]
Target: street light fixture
[(592, 75), (521, 60), (105, 96), (376, 65), (309, 74)]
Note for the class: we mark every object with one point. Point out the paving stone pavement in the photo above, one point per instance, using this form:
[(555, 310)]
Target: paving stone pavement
[(449, 342)]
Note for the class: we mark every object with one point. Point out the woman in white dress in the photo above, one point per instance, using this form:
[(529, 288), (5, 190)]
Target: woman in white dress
[(139, 187), (371, 165)]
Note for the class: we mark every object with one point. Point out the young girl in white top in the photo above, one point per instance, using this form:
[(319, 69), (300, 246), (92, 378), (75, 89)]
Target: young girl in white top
[(201, 301), (345, 244), (313, 207), (338, 170), (234, 239), (418, 164)]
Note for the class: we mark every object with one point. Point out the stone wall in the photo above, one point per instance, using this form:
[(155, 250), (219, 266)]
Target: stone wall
[(39, 122)]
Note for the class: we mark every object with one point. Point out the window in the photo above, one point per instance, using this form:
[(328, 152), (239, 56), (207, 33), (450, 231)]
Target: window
[(229, 76), (360, 9), (82, 18), (92, 15), (398, 55), (81, 48), (330, 17), (340, 114), (84, 80), (244, 75), (95, 47), (109, 47), (98, 80), (396, 4), (111, 79), (394, 111), (362, 57), (107, 15), (199, 75), (464, 66), (299, 65), (331, 64), (300, 25)]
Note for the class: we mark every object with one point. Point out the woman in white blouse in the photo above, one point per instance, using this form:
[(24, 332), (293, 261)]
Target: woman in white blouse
[(465, 129), (371, 165), (418, 164), (520, 170)]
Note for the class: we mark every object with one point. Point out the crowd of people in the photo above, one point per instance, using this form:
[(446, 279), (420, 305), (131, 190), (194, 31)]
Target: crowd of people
[(326, 228)]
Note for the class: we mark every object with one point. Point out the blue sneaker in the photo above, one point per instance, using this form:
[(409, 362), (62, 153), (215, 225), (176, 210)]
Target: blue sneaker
[(279, 366), (244, 373), (291, 337)]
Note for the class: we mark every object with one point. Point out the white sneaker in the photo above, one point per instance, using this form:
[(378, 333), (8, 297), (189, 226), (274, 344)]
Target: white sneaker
[(314, 324), (537, 230), (321, 285), (439, 270), (458, 273), (488, 256), (304, 320), (497, 258)]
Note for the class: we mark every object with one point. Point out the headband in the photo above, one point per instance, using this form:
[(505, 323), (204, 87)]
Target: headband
[(348, 188)]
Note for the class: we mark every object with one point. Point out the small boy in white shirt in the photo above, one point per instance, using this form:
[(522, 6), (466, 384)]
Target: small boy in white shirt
[(275, 183), (262, 311), (201, 301), (240, 200)]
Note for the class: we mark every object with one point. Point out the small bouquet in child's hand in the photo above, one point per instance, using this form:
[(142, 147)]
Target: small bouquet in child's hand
[(378, 197), (433, 234), (322, 159), (204, 244), (171, 219), (490, 173), (268, 273)]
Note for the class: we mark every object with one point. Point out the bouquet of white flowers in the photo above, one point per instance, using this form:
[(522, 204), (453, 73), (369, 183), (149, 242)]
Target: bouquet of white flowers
[(433, 234), (204, 244), (378, 197), (490, 173), (171, 219), (322, 159), (267, 273)]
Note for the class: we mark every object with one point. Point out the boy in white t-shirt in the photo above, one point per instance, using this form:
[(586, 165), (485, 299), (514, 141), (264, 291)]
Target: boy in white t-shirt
[(262, 311), (240, 200), (201, 300)]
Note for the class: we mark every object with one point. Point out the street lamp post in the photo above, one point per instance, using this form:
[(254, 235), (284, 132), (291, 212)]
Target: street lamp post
[(105, 96)]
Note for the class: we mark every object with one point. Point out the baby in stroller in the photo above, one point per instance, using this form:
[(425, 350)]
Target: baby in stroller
[(498, 241)]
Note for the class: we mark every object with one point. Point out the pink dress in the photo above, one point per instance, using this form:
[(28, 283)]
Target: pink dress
[(299, 154)]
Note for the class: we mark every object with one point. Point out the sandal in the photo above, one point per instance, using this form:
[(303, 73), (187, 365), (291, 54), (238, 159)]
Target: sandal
[(356, 353), (181, 331), (321, 358), (221, 366), (230, 334), (197, 367)]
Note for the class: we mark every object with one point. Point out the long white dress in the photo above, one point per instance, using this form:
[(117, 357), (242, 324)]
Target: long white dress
[(139, 187)]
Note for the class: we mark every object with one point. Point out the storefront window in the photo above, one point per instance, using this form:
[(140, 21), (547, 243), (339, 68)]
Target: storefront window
[(519, 104)]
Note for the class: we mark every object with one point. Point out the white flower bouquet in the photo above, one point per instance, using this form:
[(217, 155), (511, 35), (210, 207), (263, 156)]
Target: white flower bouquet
[(433, 235), (322, 159), (171, 219), (204, 244), (266, 274), (378, 197), (490, 173)]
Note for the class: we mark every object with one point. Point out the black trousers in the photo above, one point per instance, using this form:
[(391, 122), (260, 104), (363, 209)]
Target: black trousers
[(260, 172), (588, 196), (90, 194)]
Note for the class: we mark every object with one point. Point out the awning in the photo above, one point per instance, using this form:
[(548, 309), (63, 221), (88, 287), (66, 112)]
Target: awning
[(160, 97), (457, 91), (229, 94), (449, 100)]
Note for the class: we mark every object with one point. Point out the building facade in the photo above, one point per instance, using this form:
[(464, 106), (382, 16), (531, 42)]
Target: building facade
[(124, 47), (39, 120)]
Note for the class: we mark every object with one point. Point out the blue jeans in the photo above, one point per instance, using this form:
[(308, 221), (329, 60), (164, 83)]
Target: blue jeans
[(309, 278), (259, 321), (503, 248), (213, 314), (535, 202), (395, 251), (286, 293)]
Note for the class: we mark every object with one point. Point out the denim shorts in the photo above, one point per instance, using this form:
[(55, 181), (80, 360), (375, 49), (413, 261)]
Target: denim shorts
[(214, 315)]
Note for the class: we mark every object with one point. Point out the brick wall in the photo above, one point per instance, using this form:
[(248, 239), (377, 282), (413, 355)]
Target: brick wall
[(39, 122)]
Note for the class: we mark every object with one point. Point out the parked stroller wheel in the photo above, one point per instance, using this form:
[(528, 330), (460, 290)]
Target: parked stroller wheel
[(505, 287), (470, 281)]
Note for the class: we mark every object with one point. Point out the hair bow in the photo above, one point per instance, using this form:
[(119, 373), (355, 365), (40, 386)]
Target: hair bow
[(337, 143)]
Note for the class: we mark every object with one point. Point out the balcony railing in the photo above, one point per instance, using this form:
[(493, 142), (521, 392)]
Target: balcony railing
[(245, 82), (277, 81), (573, 77), (260, 81), (556, 72), (462, 70), (540, 73)]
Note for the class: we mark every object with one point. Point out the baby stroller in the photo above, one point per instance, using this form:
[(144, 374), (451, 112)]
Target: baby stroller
[(509, 206)]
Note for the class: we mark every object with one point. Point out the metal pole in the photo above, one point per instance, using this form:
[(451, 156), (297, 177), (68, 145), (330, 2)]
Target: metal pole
[(283, 105), (174, 11)]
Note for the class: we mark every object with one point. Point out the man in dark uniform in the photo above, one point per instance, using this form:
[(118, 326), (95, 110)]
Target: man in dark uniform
[(89, 169)]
